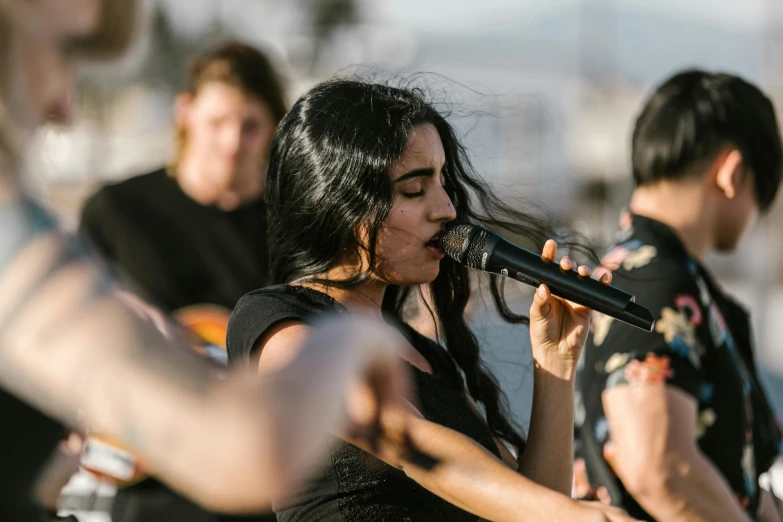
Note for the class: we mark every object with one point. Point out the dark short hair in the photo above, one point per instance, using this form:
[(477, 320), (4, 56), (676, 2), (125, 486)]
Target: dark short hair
[(691, 116)]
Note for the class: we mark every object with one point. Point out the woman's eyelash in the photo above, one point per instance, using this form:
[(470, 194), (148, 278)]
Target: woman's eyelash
[(413, 194)]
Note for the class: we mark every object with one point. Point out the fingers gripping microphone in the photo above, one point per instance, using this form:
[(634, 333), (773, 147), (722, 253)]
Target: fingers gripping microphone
[(476, 247)]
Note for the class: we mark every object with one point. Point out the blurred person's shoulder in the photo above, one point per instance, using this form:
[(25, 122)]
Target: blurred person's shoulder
[(285, 296), (260, 310), (128, 197), (142, 186), (649, 259)]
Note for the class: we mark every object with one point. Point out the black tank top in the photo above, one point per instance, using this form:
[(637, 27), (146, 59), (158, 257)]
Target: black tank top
[(353, 486)]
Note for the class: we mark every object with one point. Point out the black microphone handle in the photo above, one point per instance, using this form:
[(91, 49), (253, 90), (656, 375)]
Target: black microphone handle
[(501, 257)]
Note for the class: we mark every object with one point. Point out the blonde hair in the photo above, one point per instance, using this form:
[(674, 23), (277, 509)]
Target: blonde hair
[(114, 33)]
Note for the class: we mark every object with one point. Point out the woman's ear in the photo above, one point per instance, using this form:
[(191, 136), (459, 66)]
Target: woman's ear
[(729, 175)]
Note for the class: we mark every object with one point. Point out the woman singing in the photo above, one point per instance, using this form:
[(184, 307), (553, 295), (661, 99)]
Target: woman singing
[(362, 180)]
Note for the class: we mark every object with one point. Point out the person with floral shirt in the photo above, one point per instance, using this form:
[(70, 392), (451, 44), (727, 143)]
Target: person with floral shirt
[(675, 424)]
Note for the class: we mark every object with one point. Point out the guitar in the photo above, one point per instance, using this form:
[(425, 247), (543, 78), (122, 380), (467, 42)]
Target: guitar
[(203, 328)]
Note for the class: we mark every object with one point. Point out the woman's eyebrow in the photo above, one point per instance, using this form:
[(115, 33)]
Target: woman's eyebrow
[(416, 173)]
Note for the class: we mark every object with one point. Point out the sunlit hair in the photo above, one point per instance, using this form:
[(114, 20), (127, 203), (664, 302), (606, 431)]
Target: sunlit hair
[(240, 66)]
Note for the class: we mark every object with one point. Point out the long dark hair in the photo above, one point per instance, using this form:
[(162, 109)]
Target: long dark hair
[(328, 179)]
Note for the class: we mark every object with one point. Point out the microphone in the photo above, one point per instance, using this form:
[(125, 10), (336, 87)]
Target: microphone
[(476, 247)]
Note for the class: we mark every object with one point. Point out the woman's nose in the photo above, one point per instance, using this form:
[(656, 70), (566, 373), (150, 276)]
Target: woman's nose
[(443, 209)]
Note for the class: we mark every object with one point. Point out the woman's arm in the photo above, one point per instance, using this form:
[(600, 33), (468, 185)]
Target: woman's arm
[(548, 455), (466, 474), (558, 331)]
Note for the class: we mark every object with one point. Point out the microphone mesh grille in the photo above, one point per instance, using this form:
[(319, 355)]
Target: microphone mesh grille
[(476, 248), (456, 240), (465, 244)]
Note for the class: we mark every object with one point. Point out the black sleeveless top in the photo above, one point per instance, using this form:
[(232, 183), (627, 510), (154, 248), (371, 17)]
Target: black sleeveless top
[(353, 486)]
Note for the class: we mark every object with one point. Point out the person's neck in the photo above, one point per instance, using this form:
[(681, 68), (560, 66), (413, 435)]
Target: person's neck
[(366, 298), (683, 208), (424, 323), (192, 183)]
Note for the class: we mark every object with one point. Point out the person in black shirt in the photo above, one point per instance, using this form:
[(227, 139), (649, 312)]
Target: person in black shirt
[(677, 426), (194, 234), (362, 180)]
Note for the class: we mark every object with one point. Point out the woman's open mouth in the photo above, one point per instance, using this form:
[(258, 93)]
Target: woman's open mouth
[(435, 245)]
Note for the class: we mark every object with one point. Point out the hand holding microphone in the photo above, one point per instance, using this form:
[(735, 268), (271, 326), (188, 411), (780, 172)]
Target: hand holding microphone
[(478, 248), (558, 327), (560, 313)]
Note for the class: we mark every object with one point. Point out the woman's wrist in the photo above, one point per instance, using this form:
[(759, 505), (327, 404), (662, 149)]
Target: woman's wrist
[(554, 365)]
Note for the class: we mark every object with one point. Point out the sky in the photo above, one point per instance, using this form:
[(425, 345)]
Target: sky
[(471, 15), (401, 24)]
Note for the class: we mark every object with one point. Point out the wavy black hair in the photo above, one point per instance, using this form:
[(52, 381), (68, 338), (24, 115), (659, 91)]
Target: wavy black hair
[(329, 178)]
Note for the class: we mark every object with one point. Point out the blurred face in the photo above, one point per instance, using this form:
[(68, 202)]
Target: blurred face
[(42, 75), (737, 215), (409, 249), (228, 135)]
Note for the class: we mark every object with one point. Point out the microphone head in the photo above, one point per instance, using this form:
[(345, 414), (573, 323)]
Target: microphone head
[(465, 243)]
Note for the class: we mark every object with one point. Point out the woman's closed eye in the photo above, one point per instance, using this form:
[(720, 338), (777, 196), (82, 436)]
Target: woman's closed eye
[(413, 190), (417, 190)]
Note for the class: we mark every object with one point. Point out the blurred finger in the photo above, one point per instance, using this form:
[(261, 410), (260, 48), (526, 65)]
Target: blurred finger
[(549, 251), (584, 271), (566, 263), (606, 278), (73, 444), (602, 494), (391, 390)]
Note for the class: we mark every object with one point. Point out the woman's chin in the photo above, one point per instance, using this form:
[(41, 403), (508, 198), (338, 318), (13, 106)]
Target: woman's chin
[(410, 275), (420, 278)]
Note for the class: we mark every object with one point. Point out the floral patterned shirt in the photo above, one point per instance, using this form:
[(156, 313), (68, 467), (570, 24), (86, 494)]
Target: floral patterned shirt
[(701, 345)]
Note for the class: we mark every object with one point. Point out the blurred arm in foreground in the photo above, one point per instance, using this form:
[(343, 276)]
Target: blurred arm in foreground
[(72, 349)]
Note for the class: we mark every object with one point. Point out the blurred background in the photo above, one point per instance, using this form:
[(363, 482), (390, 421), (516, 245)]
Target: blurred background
[(545, 94)]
